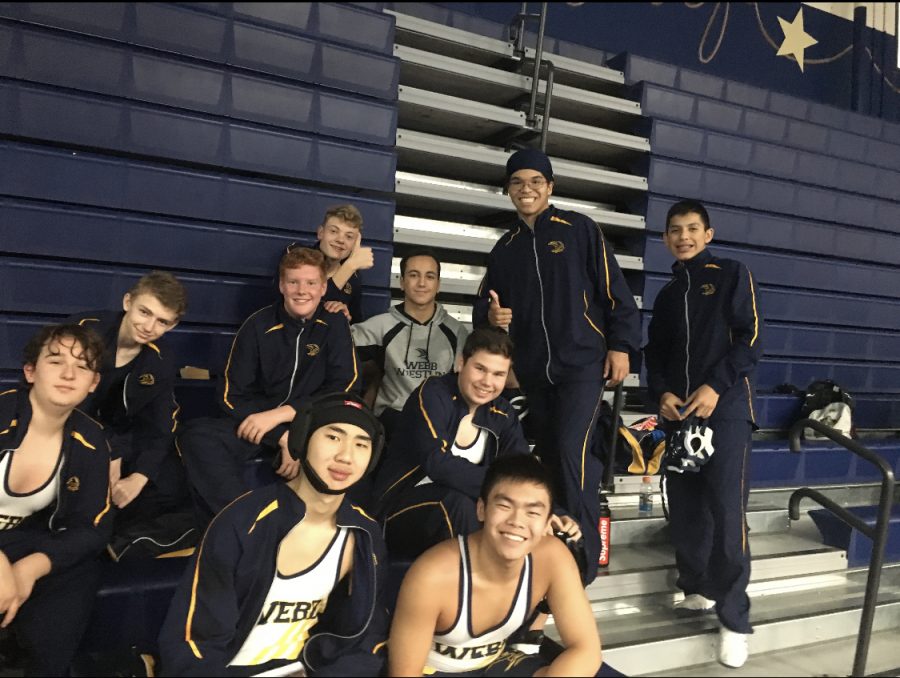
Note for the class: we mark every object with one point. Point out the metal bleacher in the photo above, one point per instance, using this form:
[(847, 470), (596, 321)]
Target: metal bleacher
[(462, 102), (820, 242)]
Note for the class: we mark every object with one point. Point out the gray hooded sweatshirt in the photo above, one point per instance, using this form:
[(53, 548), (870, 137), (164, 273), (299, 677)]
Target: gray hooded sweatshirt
[(408, 351)]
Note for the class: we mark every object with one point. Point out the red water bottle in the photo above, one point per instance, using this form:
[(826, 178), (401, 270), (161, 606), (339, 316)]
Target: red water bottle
[(604, 527)]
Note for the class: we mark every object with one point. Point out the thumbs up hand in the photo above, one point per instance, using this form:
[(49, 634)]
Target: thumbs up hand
[(497, 315)]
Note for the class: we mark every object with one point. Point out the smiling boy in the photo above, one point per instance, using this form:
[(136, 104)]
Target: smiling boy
[(281, 356), (135, 399), (701, 355), (462, 600), (415, 340), (339, 238), (553, 282), (451, 429), (54, 498)]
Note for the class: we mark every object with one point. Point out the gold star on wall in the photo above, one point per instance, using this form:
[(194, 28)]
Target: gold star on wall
[(795, 38)]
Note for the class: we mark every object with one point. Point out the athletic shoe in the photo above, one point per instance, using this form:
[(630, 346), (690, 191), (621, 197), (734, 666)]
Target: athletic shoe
[(732, 648), (529, 642), (695, 602)]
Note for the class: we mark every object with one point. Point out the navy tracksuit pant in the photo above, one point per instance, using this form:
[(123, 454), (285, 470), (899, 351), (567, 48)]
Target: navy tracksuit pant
[(216, 463), (563, 419), (707, 512), (427, 515), (51, 623)]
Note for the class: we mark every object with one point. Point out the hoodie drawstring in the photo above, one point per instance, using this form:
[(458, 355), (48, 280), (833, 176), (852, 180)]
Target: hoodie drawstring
[(408, 342), (428, 341)]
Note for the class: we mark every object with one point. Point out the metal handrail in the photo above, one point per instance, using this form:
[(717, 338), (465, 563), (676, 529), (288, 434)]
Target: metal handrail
[(878, 534), (517, 27)]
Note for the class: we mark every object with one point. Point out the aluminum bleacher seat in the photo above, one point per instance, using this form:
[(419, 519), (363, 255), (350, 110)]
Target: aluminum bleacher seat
[(710, 184), (792, 270), (157, 188)]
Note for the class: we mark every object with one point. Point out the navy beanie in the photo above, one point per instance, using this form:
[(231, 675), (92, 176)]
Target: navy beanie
[(529, 158)]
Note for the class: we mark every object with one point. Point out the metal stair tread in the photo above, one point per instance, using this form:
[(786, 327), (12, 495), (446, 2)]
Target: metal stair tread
[(651, 618), (423, 68), (434, 154), (462, 118), (458, 43), (469, 199), (832, 658)]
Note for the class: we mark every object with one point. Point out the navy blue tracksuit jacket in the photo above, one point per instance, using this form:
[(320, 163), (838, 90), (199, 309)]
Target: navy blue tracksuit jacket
[(277, 360), (706, 329), (569, 299)]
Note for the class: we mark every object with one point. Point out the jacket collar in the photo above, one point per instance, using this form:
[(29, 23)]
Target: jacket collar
[(283, 316), (543, 218), (18, 423), (292, 509), (694, 263)]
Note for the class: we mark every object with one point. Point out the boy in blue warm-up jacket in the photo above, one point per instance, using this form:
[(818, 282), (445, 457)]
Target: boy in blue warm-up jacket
[(288, 577), (554, 283), (282, 355), (135, 401), (704, 344), (55, 516), (451, 429)]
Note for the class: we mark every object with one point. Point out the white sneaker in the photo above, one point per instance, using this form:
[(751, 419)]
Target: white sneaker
[(732, 648), (695, 601)]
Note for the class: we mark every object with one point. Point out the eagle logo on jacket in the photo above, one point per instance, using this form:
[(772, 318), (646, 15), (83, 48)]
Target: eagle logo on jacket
[(312, 350), (146, 379), (556, 246), (707, 289)]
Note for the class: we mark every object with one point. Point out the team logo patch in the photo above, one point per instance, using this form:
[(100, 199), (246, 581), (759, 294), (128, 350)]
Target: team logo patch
[(707, 289), (146, 379), (312, 350), (73, 484), (556, 246), (348, 289)]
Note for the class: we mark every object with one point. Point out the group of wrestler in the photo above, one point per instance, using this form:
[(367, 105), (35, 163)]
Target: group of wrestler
[(290, 575)]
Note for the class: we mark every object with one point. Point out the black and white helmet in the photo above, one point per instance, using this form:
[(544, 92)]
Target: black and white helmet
[(690, 446)]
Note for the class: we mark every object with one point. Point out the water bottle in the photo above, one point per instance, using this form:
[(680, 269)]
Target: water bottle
[(604, 527), (645, 506)]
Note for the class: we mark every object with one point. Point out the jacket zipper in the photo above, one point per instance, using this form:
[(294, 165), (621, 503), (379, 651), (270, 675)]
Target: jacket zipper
[(371, 608), (537, 268), (687, 340), (296, 363), (124, 391), (62, 474)]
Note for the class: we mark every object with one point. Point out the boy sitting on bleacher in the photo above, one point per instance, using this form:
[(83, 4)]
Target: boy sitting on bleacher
[(704, 344), (415, 340), (339, 238), (281, 356), (269, 588), (451, 429), (54, 498), (135, 399)]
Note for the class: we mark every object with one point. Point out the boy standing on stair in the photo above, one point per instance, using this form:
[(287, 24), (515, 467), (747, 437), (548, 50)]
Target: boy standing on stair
[(704, 344), (553, 283)]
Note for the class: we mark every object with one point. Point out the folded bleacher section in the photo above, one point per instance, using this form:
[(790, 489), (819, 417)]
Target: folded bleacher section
[(808, 196), (195, 138)]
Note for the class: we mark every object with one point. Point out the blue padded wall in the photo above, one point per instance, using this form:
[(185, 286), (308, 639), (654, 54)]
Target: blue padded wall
[(808, 196), (199, 138)]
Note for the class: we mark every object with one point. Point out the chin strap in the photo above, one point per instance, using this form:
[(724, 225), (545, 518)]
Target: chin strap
[(317, 482)]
